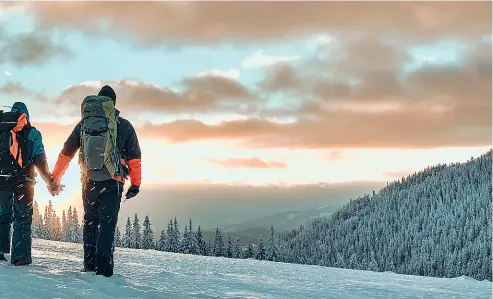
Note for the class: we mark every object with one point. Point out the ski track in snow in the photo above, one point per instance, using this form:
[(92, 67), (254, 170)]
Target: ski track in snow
[(152, 274)]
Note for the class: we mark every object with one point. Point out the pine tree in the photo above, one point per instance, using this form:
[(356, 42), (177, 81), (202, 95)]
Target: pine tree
[(50, 213), (137, 241), (162, 243), (80, 235), (57, 228), (36, 224), (201, 245), (128, 240), (170, 234), (260, 250), (48, 220), (218, 243), (118, 237), (210, 248), (147, 236), (229, 250), (184, 240), (250, 252), (64, 226), (40, 226), (46, 225), (77, 231), (35, 212), (69, 233), (237, 249), (272, 249), (373, 266), (193, 247), (176, 237)]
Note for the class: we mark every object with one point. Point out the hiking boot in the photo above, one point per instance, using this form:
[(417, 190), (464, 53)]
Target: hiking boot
[(21, 263), (87, 270)]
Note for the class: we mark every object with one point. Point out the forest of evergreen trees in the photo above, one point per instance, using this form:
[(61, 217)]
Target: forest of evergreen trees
[(193, 242), (49, 226), (436, 222), (68, 229)]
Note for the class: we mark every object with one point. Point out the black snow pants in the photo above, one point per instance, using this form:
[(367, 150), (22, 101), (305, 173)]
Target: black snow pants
[(101, 207), (17, 207)]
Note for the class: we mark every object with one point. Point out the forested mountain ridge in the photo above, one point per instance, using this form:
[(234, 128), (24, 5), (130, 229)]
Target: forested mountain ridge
[(436, 222)]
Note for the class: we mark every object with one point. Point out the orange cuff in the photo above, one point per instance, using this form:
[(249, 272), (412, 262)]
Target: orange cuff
[(135, 172), (60, 167)]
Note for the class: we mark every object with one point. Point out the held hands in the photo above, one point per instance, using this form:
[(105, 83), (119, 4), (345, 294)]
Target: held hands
[(132, 192), (54, 187)]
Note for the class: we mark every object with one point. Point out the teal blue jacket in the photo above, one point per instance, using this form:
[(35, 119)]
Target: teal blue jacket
[(36, 155)]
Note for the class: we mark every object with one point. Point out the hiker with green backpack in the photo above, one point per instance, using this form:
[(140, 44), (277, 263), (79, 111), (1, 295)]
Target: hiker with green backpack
[(109, 153)]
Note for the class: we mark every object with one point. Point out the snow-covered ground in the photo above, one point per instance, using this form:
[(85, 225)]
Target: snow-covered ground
[(152, 274)]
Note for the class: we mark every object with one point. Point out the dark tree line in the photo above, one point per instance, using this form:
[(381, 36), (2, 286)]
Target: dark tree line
[(192, 241)]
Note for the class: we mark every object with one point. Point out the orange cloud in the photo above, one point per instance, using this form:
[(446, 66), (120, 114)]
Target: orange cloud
[(205, 93), (247, 163), (412, 128), (216, 22), (17, 89)]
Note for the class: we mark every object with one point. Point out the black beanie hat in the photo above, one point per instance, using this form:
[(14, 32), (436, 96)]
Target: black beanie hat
[(107, 91)]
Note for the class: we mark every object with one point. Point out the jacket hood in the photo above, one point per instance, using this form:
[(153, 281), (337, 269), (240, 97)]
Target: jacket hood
[(20, 107)]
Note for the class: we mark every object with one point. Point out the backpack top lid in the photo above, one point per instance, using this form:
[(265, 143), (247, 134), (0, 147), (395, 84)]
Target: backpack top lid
[(96, 99), (97, 106), (12, 121)]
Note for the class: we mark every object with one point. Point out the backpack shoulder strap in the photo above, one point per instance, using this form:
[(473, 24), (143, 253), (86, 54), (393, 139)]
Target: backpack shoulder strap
[(16, 149), (26, 131), (22, 156)]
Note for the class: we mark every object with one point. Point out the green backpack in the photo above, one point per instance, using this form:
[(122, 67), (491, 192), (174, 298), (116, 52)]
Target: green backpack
[(99, 150)]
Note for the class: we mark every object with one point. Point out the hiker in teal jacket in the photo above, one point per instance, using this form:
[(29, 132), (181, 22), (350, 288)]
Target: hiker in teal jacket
[(16, 202)]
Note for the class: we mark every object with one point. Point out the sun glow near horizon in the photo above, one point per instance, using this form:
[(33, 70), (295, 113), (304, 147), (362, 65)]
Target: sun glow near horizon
[(208, 164), (226, 163)]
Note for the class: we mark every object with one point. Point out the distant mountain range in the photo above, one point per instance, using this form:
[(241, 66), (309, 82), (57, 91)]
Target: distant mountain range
[(260, 227), (286, 221), (226, 207)]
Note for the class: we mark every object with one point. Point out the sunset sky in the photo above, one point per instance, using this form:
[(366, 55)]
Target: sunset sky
[(260, 93)]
